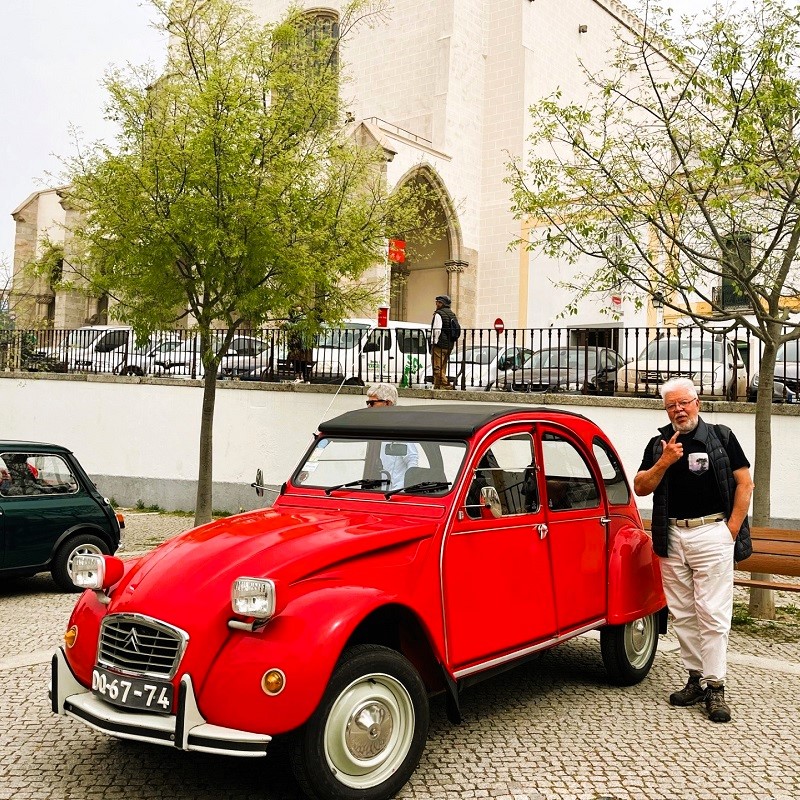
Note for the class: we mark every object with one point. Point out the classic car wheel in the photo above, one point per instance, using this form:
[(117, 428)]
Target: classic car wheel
[(82, 544), (628, 650), (366, 737), (134, 371)]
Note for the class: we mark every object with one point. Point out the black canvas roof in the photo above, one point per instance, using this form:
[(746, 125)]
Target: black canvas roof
[(453, 420)]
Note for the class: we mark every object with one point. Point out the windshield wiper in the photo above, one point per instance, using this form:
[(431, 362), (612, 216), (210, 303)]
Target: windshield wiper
[(425, 486), (364, 483)]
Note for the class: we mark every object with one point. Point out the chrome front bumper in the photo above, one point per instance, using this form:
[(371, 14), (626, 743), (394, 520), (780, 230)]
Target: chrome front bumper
[(186, 730)]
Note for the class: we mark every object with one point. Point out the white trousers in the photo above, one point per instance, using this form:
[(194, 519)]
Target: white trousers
[(698, 584)]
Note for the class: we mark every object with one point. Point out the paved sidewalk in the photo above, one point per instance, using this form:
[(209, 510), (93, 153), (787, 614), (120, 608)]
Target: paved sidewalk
[(550, 730)]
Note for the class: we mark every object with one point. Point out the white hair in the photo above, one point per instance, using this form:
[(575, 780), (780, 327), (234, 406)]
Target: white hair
[(676, 385), (383, 391)]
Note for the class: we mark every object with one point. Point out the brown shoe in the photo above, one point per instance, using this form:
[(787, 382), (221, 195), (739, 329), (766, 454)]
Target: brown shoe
[(717, 708), (691, 694)]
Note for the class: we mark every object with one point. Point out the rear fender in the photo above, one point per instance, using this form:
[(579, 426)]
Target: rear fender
[(634, 577)]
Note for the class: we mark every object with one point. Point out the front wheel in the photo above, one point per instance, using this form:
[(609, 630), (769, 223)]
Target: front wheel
[(366, 737), (628, 650)]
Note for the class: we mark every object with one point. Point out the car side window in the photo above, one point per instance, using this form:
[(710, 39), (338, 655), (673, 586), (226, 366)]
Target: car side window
[(617, 490), (570, 484), (29, 474), (508, 466)]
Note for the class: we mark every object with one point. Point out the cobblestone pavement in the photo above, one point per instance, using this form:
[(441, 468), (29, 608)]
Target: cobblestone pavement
[(550, 729)]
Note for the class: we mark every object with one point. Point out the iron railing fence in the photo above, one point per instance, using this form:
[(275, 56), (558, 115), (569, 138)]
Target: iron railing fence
[(621, 361)]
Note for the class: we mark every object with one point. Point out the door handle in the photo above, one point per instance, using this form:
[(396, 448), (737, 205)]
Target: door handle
[(542, 530), (605, 520)]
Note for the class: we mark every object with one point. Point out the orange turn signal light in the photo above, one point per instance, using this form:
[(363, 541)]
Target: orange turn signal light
[(273, 682), (71, 636)]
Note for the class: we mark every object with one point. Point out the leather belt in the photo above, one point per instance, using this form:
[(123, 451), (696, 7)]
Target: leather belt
[(696, 522)]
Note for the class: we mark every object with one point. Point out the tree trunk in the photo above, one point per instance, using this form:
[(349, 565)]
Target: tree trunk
[(203, 503), (762, 601)]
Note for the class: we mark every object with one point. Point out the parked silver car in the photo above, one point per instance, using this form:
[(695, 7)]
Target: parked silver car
[(477, 367), (584, 369), (712, 363)]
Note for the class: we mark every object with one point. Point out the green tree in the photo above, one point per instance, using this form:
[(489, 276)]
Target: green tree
[(680, 176), (232, 193)]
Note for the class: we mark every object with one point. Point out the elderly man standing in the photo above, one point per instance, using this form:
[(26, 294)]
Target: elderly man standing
[(443, 336), (701, 485)]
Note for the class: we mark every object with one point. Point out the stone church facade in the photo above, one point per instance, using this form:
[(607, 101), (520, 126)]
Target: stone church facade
[(444, 86)]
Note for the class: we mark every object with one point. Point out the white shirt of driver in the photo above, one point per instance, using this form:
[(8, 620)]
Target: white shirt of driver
[(397, 466)]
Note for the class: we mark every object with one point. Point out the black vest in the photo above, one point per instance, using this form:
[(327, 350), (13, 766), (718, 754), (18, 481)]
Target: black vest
[(445, 338), (721, 466)]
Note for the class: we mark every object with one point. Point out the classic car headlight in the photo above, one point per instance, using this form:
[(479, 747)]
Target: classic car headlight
[(92, 571), (88, 571), (253, 597)]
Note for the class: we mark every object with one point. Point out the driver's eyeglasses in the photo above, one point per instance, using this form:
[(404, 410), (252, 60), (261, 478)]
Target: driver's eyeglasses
[(371, 403), (679, 404)]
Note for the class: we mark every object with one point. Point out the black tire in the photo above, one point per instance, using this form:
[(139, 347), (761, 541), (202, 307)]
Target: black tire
[(628, 650), (134, 371), (77, 545), (354, 382), (367, 735)]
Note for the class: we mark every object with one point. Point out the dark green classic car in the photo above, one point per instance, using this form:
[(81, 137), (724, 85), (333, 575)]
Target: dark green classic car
[(50, 511)]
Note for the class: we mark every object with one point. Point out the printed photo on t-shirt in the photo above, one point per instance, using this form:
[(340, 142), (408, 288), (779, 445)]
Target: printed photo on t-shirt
[(698, 463)]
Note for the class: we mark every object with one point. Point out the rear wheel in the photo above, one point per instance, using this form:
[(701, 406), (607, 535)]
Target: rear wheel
[(366, 737), (82, 544), (137, 371), (628, 650)]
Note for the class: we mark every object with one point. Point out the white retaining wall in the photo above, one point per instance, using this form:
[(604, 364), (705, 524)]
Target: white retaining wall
[(138, 438)]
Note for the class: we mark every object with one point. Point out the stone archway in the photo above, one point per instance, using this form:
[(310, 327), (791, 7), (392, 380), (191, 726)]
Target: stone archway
[(431, 267)]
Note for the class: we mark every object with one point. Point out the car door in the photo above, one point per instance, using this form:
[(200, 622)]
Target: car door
[(41, 500), (577, 522), (496, 583)]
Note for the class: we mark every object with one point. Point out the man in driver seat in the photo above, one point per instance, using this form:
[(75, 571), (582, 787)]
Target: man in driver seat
[(395, 458)]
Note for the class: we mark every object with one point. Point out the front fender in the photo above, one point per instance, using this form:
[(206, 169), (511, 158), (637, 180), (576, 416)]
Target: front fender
[(634, 577), (304, 642)]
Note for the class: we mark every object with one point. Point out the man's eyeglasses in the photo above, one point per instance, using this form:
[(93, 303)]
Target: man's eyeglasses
[(679, 404), (371, 403)]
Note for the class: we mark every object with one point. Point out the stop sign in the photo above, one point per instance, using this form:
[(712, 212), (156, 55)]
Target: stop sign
[(499, 326)]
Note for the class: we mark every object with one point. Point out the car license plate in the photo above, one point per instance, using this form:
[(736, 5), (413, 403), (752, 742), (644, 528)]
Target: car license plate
[(142, 694)]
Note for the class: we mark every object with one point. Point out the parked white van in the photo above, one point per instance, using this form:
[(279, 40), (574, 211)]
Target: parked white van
[(92, 348), (359, 352)]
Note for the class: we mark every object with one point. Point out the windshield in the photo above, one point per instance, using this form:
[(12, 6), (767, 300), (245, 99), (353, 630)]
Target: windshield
[(82, 337), (344, 338), (682, 350), (563, 358), (788, 352), (476, 355), (374, 465)]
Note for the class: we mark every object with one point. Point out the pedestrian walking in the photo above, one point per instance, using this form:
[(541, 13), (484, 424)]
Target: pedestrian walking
[(700, 480)]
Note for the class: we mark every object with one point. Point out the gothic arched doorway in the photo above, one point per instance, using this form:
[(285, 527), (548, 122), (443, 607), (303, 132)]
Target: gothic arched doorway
[(432, 266)]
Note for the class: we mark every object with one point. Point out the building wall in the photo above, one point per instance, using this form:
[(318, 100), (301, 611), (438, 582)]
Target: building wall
[(139, 438)]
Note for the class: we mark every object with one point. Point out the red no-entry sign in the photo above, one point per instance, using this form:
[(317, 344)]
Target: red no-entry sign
[(499, 326)]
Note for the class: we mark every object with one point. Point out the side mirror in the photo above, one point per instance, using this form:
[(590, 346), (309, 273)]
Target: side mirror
[(370, 347), (259, 483), (490, 503)]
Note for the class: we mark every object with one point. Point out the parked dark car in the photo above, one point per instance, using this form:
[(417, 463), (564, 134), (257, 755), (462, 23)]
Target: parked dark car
[(786, 386), (50, 511), (576, 369)]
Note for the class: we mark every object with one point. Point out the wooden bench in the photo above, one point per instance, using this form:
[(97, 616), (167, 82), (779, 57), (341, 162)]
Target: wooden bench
[(776, 551)]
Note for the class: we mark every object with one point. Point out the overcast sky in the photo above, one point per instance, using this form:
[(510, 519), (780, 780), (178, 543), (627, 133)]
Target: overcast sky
[(55, 54)]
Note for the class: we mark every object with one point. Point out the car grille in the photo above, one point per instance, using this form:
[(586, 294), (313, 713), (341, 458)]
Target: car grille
[(654, 376), (141, 645)]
